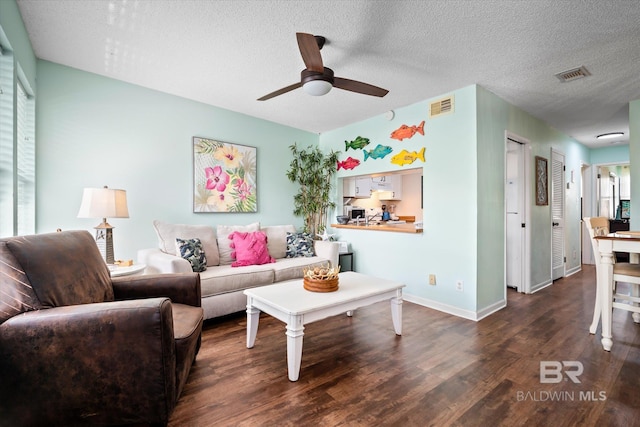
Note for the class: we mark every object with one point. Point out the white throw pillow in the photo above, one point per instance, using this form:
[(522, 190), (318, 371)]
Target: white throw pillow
[(224, 243), (277, 239), (168, 233)]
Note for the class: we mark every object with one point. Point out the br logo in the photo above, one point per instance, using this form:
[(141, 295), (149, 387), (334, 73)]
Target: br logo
[(551, 371)]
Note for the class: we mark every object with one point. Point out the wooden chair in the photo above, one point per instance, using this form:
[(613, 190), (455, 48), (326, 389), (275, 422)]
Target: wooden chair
[(622, 272)]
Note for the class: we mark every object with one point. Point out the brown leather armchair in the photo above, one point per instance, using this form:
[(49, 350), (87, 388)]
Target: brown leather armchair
[(80, 348)]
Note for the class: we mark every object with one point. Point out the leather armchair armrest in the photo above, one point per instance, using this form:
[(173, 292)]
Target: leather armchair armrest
[(180, 288), (74, 364)]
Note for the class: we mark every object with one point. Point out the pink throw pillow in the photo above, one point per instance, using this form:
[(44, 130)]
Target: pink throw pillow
[(249, 248)]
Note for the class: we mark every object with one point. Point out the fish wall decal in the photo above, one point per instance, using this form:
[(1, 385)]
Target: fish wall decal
[(378, 153), (357, 144), (406, 158), (349, 163), (405, 131)]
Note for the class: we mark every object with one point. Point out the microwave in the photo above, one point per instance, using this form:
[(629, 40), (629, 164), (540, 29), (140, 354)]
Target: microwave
[(357, 212)]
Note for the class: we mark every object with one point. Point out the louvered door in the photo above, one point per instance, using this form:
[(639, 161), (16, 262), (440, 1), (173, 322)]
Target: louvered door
[(557, 215)]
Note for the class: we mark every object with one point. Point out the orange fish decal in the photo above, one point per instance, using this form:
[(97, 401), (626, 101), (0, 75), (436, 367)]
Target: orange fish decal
[(405, 131)]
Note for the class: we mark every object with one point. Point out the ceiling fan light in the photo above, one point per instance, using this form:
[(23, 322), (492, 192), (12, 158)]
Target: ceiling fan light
[(317, 87)]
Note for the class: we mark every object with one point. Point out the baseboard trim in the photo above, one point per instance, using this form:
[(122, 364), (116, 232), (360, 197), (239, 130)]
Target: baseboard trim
[(573, 271), (455, 311), (540, 286)]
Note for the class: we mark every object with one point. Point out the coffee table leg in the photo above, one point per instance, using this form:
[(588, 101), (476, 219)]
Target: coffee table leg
[(253, 317), (396, 312), (295, 332)]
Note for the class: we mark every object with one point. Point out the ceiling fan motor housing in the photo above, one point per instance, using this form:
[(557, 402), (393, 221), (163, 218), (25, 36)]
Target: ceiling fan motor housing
[(307, 75)]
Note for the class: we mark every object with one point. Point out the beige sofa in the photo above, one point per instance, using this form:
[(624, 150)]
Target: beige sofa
[(223, 285)]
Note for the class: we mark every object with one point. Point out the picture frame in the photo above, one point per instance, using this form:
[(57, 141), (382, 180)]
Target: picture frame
[(224, 176), (625, 209), (542, 181)]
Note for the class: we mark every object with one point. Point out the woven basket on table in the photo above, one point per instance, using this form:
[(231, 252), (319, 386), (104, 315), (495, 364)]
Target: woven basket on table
[(319, 285)]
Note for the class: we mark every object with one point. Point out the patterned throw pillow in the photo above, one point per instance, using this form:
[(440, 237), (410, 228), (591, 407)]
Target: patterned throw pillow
[(249, 248), (191, 250), (299, 244)]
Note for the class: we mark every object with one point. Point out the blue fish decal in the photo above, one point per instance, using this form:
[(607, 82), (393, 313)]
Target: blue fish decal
[(378, 153)]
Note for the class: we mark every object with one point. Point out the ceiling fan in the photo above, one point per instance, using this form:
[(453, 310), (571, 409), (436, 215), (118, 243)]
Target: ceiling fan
[(317, 79)]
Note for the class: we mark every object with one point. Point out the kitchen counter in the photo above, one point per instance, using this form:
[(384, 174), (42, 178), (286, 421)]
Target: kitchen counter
[(398, 228)]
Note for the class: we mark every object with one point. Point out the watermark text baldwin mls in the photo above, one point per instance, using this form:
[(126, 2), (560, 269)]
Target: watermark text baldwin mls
[(554, 372), (561, 396)]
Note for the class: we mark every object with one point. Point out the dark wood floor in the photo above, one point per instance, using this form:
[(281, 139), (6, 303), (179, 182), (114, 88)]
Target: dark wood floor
[(442, 371)]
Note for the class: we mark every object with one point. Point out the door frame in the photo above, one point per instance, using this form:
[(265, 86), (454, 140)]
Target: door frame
[(590, 201), (555, 151), (526, 212)]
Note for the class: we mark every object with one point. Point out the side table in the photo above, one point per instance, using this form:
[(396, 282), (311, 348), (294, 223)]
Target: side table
[(345, 259), (127, 271)]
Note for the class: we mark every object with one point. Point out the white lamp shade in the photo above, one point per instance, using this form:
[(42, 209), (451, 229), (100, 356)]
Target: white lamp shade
[(317, 87), (103, 203)]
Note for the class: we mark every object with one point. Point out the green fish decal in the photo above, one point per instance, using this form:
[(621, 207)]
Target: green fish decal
[(357, 144), (378, 153)]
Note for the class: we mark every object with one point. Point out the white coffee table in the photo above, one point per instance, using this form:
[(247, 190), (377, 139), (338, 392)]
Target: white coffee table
[(295, 306)]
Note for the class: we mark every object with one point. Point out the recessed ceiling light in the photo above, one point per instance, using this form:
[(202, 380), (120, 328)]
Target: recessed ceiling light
[(610, 135)]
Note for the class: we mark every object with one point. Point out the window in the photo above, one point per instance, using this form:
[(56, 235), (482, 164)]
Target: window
[(17, 151), (25, 164), (6, 144)]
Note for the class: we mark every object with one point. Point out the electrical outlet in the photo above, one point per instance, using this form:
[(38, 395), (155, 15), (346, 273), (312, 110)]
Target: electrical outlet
[(432, 279), (459, 286)]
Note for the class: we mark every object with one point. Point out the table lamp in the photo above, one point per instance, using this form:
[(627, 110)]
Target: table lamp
[(104, 203)]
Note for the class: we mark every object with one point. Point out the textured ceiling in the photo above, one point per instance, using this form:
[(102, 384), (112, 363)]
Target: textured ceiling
[(229, 53)]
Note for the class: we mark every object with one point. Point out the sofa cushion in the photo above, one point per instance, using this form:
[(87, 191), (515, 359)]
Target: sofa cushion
[(299, 244), (249, 249), (168, 233), (224, 244), (277, 239), (224, 278), (191, 250), (16, 293), (64, 268), (292, 268)]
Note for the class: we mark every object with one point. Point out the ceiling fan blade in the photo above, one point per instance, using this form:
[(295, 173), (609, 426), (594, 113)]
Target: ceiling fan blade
[(359, 87), (281, 91), (310, 52)]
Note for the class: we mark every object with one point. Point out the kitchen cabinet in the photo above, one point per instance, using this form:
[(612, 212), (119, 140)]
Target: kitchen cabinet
[(349, 187), (363, 187), (392, 189), (382, 183)]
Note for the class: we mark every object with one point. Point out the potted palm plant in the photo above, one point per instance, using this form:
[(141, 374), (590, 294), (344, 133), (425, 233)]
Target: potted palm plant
[(313, 170)]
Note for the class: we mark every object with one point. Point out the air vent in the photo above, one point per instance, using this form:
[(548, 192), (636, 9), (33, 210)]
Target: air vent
[(576, 73), (441, 106)]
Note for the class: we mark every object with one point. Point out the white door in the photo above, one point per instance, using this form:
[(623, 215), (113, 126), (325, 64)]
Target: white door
[(514, 202), (557, 215)]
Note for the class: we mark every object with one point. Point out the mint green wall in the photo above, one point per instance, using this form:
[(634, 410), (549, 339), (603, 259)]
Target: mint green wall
[(634, 157), (494, 117), (609, 155), (447, 248), (13, 33), (96, 131), (464, 225)]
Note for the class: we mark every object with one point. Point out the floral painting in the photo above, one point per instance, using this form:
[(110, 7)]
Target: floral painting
[(224, 177)]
